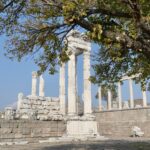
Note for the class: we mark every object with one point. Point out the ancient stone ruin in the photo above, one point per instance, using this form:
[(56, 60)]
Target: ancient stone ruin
[(66, 116), (39, 107)]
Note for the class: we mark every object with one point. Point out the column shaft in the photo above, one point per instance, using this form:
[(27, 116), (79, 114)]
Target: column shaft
[(20, 99), (41, 87), (131, 93), (109, 99), (100, 98), (62, 92), (34, 84), (144, 99), (87, 83), (72, 85), (119, 95)]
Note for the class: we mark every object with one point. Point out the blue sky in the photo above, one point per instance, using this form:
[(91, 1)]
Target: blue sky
[(15, 77)]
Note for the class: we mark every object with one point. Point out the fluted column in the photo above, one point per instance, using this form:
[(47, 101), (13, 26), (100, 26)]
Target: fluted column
[(72, 97), (100, 98), (119, 95), (87, 83), (34, 83), (109, 99), (131, 93), (144, 99), (41, 87), (62, 92)]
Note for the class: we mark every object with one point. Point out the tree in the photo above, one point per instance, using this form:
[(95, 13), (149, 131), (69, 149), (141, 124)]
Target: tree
[(104, 92), (121, 28)]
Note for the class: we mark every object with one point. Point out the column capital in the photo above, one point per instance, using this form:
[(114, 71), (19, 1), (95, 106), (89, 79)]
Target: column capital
[(34, 74)]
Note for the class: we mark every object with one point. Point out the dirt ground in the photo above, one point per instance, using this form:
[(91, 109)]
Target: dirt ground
[(111, 144)]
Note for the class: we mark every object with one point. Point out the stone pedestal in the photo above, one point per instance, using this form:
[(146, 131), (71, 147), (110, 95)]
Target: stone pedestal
[(82, 127)]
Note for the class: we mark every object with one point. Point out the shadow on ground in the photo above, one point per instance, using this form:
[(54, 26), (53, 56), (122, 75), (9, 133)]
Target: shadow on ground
[(101, 145), (109, 145)]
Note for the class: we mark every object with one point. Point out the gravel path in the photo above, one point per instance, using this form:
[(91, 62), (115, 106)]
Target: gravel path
[(115, 144)]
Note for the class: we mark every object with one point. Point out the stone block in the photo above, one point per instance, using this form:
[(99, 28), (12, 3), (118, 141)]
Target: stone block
[(81, 128)]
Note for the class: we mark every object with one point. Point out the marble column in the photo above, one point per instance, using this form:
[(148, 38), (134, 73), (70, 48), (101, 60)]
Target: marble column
[(20, 99), (41, 87), (131, 93), (62, 92), (72, 97), (34, 83), (100, 98), (119, 95), (109, 100), (144, 99), (87, 83)]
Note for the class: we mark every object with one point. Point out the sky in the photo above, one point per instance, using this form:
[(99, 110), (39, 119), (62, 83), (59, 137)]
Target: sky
[(15, 77)]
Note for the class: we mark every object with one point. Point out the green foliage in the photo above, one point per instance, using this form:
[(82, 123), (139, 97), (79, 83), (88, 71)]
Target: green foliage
[(38, 28), (104, 92)]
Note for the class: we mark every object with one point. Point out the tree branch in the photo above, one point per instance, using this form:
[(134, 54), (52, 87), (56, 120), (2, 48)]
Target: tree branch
[(6, 6)]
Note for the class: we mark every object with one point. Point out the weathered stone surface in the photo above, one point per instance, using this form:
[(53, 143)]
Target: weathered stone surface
[(9, 113), (26, 130), (37, 107), (136, 131), (119, 123), (81, 129)]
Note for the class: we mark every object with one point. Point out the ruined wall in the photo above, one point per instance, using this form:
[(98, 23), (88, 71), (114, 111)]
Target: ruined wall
[(110, 123), (42, 108), (119, 123), (31, 131)]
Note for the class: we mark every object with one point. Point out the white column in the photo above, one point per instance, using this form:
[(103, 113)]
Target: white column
[(41, 87), (72, 85), (20, 99), (62, 92), (34, 83), (144, 99), (87, 83), (100, 98), (131, 93), (109, 100), (119, 95)]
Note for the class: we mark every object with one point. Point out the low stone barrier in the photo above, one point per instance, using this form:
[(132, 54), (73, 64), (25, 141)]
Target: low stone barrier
[(116, 123), (31, 131), (119, 123)]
